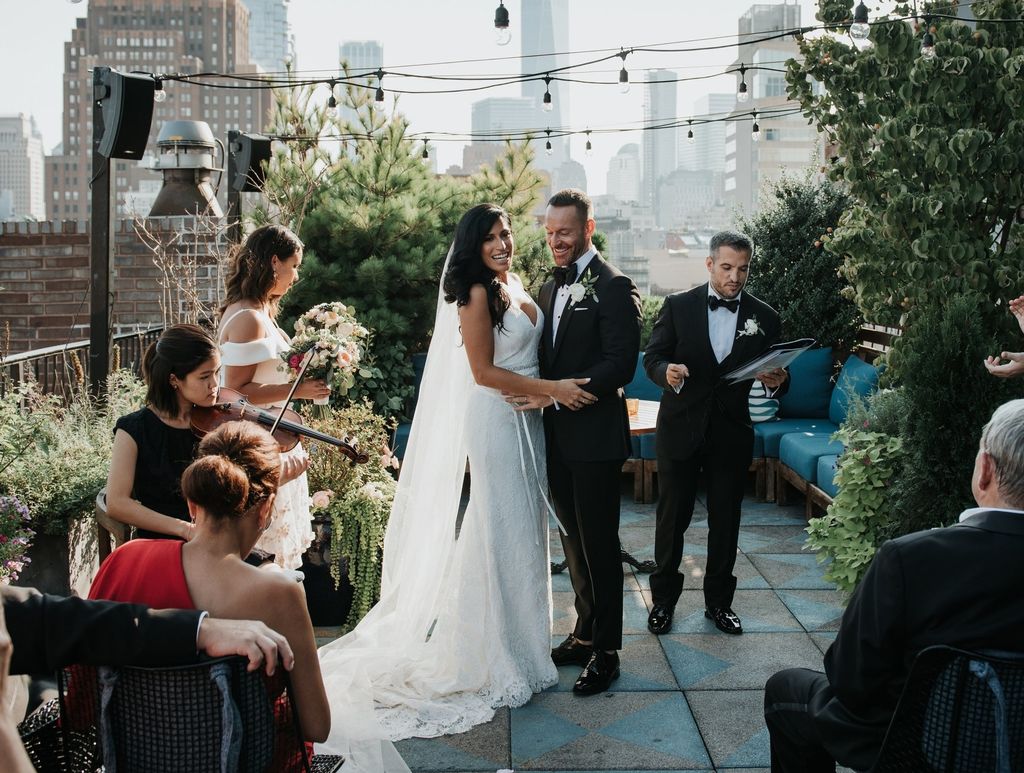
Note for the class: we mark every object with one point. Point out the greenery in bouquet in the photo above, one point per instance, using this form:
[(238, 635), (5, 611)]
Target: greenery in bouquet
[(15, 538), (337, 340), (356, 497)]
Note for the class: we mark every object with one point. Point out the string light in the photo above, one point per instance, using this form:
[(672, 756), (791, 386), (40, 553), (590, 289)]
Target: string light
[(623, 75), (927, 43), (689, 132), (426, 152), (502, 33), (755, 133), (159, 95), (860, 27), (332, 102), (741, 94), (547, 106), (590, 147), (547, 145), (379, 96)]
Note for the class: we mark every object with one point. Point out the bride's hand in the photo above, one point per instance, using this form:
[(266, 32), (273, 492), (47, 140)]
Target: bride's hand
[(293, 464), (567, 392), (528, 402), (312, 388)]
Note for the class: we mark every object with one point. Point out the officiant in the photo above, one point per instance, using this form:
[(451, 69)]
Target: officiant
[(704, 423)]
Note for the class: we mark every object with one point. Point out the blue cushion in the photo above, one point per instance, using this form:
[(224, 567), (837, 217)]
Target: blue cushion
[(401, 439), (856, 378), (771, 432), (800, 452), (643, 447), (810, 386), (758, 445), (762, 407), (642, 387), (826, 477)]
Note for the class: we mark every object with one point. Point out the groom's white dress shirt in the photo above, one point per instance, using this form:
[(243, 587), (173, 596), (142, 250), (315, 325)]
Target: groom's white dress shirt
[(722, 326), (562, 293)]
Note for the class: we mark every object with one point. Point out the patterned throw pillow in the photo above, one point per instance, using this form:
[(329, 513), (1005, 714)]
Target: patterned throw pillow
[(762, 407)]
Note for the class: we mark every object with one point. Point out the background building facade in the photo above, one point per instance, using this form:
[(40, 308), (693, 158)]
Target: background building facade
[(545, 30), (21, 169), (660, 146)]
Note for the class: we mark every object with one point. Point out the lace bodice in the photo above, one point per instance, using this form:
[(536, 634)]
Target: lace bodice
[(515, 347)]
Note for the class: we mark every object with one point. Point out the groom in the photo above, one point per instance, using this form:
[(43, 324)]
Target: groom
[(591, 330)]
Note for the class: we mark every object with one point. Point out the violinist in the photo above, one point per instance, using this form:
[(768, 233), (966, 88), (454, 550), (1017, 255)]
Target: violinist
[(153, 445), (262, 270)]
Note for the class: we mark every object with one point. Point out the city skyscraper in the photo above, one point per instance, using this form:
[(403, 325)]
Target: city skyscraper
[(270, 39), (499, 118), (21, 169), (545, 31), (661, 146), (707, 150), (623, 180), (786, 144), (361, 56), (174, 36)]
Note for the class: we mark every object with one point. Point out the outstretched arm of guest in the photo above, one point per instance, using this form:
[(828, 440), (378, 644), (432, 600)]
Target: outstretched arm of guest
[(1006, 365)]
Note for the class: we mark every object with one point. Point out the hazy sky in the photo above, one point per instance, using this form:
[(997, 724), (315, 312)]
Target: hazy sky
[(416, 32)]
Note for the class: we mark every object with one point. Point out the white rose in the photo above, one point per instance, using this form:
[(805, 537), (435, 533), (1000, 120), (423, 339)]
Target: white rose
[(576, 292), (345, 329), (321, 498)]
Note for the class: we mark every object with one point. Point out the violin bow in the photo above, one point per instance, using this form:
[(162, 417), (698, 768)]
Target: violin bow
[(291, 392)]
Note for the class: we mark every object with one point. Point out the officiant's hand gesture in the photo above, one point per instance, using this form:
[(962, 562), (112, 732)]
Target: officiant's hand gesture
[(675, 374), (774, 378)]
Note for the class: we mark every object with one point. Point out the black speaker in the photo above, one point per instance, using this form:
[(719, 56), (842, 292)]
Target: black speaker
[(249, 153), (127, 103)]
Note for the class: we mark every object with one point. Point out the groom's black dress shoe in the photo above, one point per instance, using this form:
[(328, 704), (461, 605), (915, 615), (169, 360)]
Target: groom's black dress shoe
[(725, 620), (599, 673), (571, 651), (660, 619)]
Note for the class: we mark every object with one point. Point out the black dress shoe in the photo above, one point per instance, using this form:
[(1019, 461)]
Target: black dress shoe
[(598, 674), (660, 619), (572, 651), (725, 620)]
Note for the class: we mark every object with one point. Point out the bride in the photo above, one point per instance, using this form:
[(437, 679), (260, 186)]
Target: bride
[(463, 624)]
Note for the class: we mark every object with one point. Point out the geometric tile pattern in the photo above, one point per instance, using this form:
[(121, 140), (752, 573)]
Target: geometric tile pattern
[(688, 701)]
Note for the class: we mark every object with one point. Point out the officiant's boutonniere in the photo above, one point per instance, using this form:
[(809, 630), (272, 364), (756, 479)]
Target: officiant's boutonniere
[(583, 288), (751, 328)]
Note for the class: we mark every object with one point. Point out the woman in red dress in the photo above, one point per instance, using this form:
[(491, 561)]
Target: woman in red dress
[(230, 491)]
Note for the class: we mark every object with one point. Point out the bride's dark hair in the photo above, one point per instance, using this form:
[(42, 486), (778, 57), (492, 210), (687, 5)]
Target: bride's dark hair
[(466, 268)]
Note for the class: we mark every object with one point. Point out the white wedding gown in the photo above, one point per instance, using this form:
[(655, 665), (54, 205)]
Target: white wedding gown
[(485, 598)]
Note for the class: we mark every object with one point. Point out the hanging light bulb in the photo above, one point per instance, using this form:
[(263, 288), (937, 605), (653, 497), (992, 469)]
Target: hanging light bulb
[(860, 27), (755, 132), (928, 45), (159, 94), (623, 75), (332, 102), (379, 96), (741, 93), (547, 145), (426, 151), (502, 33), (590, 148), (689, 132), (547, 105)]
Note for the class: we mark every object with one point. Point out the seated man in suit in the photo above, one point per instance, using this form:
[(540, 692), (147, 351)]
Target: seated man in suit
[(958, 586), (41, 633)]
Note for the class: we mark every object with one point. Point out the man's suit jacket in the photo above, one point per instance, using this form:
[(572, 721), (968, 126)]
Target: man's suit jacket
[(50, 632), (959, 586), (680, 335), (598, 338)]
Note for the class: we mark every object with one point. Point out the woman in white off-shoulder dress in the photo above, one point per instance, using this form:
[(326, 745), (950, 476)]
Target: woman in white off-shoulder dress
[(251, 343), (463, 624)]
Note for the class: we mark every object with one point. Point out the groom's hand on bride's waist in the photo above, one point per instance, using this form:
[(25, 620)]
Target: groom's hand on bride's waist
[(527, 402)]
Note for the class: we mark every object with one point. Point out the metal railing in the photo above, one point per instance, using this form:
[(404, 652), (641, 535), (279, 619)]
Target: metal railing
[(63, 368)]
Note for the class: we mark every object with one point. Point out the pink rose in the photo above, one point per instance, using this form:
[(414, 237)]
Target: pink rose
[(321, 499), (295, 360)]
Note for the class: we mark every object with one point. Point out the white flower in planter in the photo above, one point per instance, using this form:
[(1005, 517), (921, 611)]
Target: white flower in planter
[(751, 328)]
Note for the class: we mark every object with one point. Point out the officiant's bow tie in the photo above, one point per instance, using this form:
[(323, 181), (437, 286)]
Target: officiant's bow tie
[(564, 275), (714, 302)]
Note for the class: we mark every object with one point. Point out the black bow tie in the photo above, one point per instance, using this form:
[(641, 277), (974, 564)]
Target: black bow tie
[(715, 302), (564, 275)]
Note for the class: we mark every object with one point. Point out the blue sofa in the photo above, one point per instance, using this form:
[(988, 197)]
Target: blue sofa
[(643, 461), (802, 449)]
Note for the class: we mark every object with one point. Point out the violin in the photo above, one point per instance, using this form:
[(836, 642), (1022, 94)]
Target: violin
[(233, 406)]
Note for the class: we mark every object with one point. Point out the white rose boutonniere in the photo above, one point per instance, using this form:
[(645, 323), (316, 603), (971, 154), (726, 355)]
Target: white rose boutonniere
[(583, 289), (751, 328)]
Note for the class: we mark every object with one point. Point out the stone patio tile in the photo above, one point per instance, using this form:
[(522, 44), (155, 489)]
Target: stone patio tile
[(719, 662), (732, 725), (485, 747), (634, 613), (610, 731), (770, 514), (792, 570), (638, 540), (772, 539), (636, 514), (760, 610), (817, 610), (643, 667), (823, 640), (692, 566)]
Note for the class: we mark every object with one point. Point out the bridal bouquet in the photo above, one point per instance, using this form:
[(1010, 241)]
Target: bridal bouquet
[(332, 333)]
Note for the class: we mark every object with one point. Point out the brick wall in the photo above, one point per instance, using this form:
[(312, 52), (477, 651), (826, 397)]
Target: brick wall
[(44, 273)]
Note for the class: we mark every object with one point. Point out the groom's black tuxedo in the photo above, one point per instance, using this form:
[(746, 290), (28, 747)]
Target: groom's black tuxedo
[(705, 426), (597, 338)]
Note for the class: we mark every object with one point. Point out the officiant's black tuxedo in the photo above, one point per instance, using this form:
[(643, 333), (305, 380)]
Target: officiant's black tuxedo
[(706, 426), (959, 586), (597, 338)]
